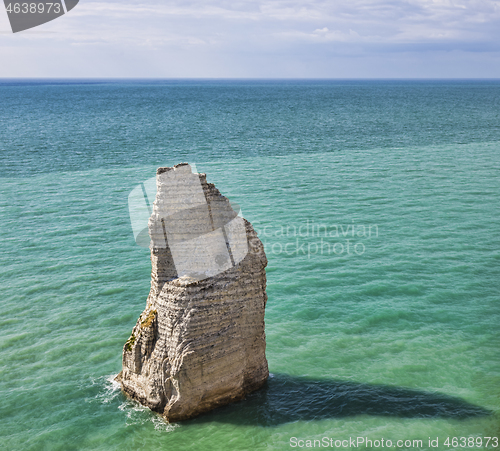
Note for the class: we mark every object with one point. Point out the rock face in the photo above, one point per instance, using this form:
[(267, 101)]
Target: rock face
[(200, 341)]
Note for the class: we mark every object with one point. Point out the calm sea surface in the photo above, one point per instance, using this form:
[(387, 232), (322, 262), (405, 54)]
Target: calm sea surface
[(379, 206)]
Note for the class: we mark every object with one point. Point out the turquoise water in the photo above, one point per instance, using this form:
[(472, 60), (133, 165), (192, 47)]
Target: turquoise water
[(391, 333)]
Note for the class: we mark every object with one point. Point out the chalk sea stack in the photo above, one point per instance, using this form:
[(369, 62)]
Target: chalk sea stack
[(200, 342)]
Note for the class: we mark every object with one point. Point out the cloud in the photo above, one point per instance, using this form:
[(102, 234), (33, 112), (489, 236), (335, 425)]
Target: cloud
[(262, 32), (390, 21)]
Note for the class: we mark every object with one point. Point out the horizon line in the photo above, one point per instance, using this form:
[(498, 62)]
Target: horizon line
[(261, 78)]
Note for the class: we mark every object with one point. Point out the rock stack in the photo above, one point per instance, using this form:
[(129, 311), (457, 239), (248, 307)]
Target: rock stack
[(200, 342)]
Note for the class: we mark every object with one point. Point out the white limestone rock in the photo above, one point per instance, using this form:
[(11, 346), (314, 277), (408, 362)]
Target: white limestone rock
[(200, 342)]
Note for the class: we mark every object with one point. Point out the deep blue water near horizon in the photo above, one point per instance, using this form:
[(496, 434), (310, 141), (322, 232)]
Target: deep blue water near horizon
[(378, 204)]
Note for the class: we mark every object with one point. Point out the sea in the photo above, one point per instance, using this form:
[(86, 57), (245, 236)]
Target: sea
[(378, 202)]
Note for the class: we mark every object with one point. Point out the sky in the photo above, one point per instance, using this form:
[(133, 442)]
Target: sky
[(260, 39)]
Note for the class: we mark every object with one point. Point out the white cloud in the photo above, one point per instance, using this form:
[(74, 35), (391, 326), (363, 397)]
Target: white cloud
[(380, 20), (251, 31)]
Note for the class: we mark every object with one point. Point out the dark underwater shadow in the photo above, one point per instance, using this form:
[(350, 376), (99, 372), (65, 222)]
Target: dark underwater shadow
[(286, 399)]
